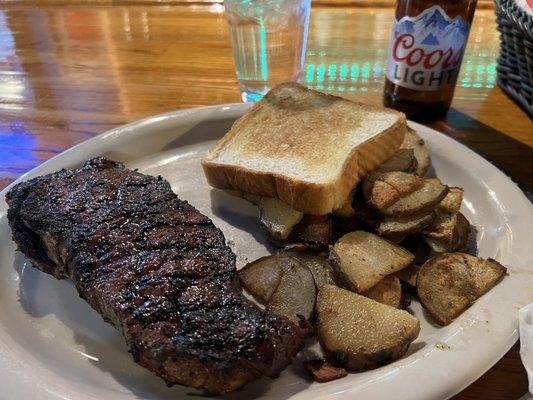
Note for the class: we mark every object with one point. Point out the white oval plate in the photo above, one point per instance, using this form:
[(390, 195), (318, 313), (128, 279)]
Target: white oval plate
[(53, 346)]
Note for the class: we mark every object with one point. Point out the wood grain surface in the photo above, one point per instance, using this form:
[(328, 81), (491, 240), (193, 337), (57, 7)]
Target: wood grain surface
[(68, 73)]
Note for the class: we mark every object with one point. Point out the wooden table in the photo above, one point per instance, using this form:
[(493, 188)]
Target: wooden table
[(68, 73)]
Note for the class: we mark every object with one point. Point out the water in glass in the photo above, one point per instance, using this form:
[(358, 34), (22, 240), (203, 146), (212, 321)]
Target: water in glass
[(269, 39)]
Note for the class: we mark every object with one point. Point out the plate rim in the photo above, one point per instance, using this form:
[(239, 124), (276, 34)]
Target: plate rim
[(240, 108)]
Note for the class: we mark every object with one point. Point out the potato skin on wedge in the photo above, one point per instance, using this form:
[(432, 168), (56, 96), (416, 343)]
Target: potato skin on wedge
[(262, 276), (381, 189), (426, 197), (393, 228), (449, 283), (447, 233), (285, 284), (318, 266), (295, 295), (359, 333)]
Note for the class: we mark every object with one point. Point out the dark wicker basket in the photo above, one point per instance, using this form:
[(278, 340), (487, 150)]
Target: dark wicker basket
[(515, 64)]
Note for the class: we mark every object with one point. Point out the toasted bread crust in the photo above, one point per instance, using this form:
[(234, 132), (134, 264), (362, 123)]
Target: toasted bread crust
[(307, 197)]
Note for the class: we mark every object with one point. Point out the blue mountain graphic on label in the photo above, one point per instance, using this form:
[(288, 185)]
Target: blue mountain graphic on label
[(430, 40), (435, 20), (405, 26), (457, 31)]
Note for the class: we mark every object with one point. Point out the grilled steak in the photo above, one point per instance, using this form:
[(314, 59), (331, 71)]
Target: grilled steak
[(155, 268)]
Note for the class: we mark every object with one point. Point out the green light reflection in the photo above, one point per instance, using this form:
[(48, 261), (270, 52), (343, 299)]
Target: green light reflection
[(332, 71), (263, 51), (355, 77)]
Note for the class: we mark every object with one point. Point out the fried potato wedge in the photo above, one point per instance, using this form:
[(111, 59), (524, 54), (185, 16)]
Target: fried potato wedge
[(425, 197), (277, 217), (314, 229), (318, 266), (447, 233), (443, 227), (452, 202), (386, 291), (269, 278), (403, 160), (295, 295), (361, 259), (463, 229), (262, 276), (381, 189), (322, 371), (421, 153), (399, 227), (449, 283), (360, 333)]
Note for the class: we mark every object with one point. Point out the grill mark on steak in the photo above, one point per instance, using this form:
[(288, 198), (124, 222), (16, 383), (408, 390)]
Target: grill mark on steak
[(155, 268)]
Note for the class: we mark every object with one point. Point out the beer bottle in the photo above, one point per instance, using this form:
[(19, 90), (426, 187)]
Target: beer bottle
[(426, 49)]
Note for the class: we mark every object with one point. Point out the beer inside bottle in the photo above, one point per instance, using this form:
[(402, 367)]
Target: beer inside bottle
[(425, 53)]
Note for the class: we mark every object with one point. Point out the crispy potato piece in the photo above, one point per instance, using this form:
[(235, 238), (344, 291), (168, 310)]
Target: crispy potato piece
[(381, 189), (262, 276), (361, 259), (442, 228), (360, 333), (447, 233), (387, 291), (322, 371), (403, 160), (295, 295), (277, 217), (314, 229), (450, 282), (421, 153), (428, 195), (318, 266), (394, 228), (452, 202), (463, 232), (409, 275)]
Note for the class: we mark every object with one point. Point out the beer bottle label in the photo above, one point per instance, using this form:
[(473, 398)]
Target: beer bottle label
[(426, 51)]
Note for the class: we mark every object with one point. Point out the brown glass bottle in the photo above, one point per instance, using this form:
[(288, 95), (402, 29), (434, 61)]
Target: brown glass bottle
[(425, 54)]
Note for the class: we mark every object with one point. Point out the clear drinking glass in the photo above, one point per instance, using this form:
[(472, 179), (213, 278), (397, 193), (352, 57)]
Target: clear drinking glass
[(269, 38)]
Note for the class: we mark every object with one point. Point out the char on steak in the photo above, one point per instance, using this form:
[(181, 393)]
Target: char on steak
[(155, 268)]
